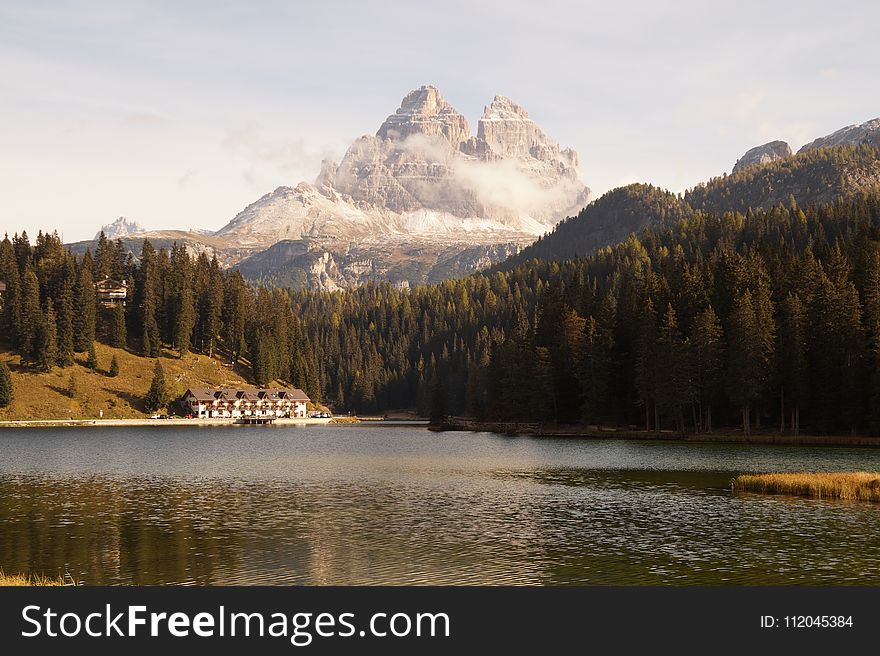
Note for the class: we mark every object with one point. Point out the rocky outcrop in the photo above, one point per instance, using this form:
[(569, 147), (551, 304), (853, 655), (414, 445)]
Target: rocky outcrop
[(866, 133), (121, 227), (420, 198), (769, 152), (312, 265), (425, 112), (424, 175)]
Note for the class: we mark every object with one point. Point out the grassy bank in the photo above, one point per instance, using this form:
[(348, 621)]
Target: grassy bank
[(18, 580), (44, 395), (857, 486)]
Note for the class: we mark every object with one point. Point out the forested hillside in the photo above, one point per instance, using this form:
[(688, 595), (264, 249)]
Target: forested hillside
[(607, 220), (811, 177), (767, 316)]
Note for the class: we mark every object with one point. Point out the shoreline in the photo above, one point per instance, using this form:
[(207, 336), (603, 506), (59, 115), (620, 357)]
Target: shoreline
[(101, 423), (532, 429)]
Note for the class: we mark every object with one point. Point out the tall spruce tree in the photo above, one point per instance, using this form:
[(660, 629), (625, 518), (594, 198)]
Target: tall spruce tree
[(149, 287), (745, 372), (44, 354), (707, 348), (29, 319), (65, 313), (7, 392), (118, 332), (84, 306), (158, 395)]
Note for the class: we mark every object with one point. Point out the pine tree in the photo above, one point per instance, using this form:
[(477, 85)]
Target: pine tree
[(148, 286), (157, 396), (645, 365), (181, 299), (105, 257), (793, 360), (44, 355), (92, 359), (744, 374), (670, 379), (84, 306), (29, 319), (707, 347), (66, 313), (10, 275), (114, 368), (71, 385), (118, 334), (7, 393)]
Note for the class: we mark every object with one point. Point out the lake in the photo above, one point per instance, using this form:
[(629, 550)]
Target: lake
[(402, 505)]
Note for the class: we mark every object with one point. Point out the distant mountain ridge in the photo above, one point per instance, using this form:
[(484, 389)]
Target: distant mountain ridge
[(424, 199)]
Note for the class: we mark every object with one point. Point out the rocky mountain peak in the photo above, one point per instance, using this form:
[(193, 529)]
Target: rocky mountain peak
[(424, 111), (865, 133), (510, 133), (764, 154), (503, 108), (121, 227)]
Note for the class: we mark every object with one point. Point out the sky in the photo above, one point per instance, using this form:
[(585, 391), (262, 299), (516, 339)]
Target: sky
[(179, 114)]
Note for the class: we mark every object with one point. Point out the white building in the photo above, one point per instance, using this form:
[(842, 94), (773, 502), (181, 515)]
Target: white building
[(231, 403)]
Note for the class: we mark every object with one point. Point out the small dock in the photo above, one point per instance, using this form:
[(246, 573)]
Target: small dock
[(255, 420)]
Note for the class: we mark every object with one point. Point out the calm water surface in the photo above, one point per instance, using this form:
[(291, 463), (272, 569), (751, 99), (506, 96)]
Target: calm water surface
[(402, 505)]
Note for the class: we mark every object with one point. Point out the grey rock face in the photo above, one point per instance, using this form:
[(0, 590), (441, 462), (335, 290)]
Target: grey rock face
[(769, 152), (423, 174), (425, 112), (121, 227), (865, 133)]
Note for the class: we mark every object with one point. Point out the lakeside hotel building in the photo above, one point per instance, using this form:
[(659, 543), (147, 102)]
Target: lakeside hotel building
[(254, 402)]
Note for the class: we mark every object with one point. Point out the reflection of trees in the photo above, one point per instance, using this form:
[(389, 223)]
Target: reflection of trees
[(157, 530), (109, 531)]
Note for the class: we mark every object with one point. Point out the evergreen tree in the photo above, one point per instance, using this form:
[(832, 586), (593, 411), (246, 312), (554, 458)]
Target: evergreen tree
[(707, 348), (7, 393), (71, 385), (105, 258), (92, 359), (158, 395), (149, 291), (181, 299), (793, 367), (671, 378), (118, 333), (10, 275), (745, 365), (114, 368), (44, 355), (29, 320), (66, 313), (84, 306)]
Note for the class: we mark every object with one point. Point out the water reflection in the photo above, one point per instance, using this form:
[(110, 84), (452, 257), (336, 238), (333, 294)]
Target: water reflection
[(405, 506)]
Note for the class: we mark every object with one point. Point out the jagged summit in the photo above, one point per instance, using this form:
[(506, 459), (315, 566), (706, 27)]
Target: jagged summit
[(423, 174), (424, 111), (121, 227)]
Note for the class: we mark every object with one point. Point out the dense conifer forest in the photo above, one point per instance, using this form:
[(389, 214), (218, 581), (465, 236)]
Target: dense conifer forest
[(756, 319)]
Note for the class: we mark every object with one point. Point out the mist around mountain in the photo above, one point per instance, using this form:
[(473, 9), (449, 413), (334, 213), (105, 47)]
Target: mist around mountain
[(423, 200)]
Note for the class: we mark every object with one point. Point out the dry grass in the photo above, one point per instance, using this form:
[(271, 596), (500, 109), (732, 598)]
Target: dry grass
[(857, 486), (18, 580), (43, 395)]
